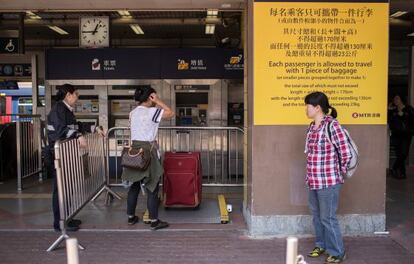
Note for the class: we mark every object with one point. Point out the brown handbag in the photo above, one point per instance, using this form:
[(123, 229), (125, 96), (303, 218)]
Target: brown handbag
[(136, 158)]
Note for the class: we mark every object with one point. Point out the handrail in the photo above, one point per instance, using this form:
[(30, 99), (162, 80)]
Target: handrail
[(219, 147), (183, 128)]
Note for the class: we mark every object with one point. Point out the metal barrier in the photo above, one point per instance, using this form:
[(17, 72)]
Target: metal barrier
[(28, 147), (80, 173), (221, 151)]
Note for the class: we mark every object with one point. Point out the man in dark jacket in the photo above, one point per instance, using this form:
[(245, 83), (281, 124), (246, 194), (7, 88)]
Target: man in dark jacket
[(62, 124), (401, 121)]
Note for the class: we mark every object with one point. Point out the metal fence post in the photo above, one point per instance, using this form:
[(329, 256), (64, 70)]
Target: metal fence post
[(18, 151), (39, 147)]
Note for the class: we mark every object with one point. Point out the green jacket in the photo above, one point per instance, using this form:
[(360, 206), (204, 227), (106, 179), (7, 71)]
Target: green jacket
[(152, 175)]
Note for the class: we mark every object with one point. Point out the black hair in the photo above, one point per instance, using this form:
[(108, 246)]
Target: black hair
[(402, 98), (64, 90), (142, 93), (319, 98)]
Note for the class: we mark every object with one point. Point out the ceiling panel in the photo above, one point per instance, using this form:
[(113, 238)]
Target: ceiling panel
[(184, 25)]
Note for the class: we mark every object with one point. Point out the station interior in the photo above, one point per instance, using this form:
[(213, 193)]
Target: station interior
[(209, 105)]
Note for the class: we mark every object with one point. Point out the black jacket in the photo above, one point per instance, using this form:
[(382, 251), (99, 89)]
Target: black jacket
[(404, 123), (62, 124)]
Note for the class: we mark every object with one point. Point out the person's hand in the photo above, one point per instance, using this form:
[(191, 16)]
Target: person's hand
[(82, 142), (100, 131)]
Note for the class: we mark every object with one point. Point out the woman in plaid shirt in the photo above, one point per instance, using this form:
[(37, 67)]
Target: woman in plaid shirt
[(327, 158)]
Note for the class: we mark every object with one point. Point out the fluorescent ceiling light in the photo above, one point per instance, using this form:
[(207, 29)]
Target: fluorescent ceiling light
[(137, 29), (225, 5), (125, 14), (398, 14), (410, 35), (210, 28), (24, 85), (58, 30), (33, 15), (212, 13)]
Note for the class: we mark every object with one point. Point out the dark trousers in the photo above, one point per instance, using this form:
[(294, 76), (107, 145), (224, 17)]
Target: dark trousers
[(402, 148), (55, 200), (55, 203), (152, 200)]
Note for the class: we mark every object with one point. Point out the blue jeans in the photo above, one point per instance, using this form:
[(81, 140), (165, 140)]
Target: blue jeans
[(323, 205)]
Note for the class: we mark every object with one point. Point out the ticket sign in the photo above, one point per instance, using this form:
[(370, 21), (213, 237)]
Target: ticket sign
[(339, 48)]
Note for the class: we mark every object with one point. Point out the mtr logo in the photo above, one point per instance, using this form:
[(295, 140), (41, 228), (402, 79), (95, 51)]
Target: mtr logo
[(369, 115)]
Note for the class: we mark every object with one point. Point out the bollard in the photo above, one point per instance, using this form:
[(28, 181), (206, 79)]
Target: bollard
[(291, 250), (72, 250)]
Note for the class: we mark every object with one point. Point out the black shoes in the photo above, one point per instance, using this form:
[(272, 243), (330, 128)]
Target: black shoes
[(159, 225), (132, 220), (154, 225), (75, 222), (72, 226), (396, 174)]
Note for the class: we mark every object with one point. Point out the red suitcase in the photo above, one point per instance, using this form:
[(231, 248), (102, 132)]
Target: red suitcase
[(182, 179)]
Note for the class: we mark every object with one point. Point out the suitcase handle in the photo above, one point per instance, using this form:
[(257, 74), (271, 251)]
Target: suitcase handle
[(187, 135)]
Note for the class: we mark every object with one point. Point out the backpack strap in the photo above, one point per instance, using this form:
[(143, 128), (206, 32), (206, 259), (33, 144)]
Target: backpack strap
[(328, 132), (307, 138)]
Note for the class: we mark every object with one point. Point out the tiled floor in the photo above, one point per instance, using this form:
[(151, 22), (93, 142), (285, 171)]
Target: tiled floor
[(185, 247), (25, 234), (31, 210)]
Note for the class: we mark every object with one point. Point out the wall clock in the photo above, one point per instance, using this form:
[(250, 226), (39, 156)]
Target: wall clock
[(94, 32)]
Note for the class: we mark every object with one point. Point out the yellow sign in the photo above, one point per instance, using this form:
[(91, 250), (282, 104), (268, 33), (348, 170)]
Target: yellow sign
[(340, 49)]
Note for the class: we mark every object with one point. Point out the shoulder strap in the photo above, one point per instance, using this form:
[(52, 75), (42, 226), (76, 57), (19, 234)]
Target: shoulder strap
[(307, 137), (328, 133)]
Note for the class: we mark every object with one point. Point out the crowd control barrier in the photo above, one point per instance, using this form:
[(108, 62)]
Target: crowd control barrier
[(81, 175), (221, 150), (25, 130)]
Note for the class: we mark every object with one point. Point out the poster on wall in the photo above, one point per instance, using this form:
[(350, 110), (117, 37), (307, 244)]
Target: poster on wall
[(339, 48)]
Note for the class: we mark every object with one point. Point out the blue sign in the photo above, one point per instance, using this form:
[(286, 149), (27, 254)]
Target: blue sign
[(9, 45), (144, 63), (16, 70), (9, 85)]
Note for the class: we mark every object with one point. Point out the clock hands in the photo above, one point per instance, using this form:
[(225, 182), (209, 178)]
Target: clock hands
[(92, 31), (96, 29)]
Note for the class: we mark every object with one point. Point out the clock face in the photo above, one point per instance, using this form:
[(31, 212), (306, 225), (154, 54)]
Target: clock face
[(94, 32)]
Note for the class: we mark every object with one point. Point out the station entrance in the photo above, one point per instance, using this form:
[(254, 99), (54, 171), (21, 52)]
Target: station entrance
[(194, 54), (193, 59)]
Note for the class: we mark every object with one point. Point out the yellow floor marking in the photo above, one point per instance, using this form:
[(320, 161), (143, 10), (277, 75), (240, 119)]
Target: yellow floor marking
[(145, 218), (224, 215)]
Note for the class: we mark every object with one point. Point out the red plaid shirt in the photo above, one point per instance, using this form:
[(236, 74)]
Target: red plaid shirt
[(323, 168)]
